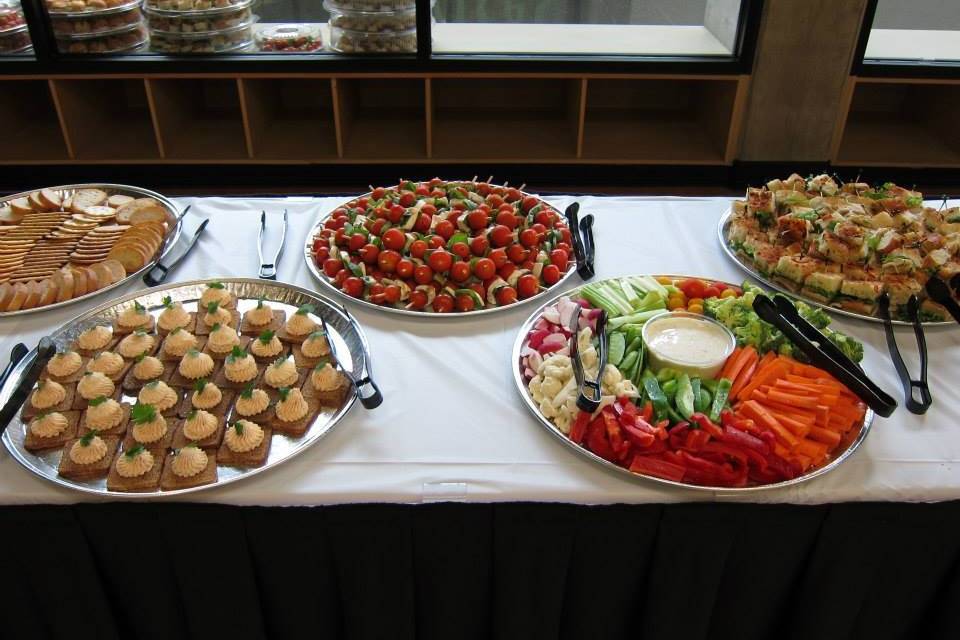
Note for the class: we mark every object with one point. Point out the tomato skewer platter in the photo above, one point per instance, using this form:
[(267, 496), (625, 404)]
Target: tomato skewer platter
[(442, 248), (697, 391)]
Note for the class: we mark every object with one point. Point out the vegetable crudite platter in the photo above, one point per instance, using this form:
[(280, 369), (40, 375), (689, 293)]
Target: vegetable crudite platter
[(696, 391), (64, 244), (184, 387), (448, 248), (843, 246)]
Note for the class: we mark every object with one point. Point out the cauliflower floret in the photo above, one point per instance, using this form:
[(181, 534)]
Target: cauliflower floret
[(611, 376), (583, 339), (589, 357), (534, 387), (564, 420), (552, 371), (547, 409), (550, 387)]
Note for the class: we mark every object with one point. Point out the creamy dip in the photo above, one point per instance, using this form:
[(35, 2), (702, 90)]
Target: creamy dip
[(693, 344)]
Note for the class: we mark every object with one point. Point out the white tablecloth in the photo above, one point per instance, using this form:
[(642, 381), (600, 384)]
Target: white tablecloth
[(453, 426)]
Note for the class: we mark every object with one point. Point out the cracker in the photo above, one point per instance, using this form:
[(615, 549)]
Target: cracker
[(32, 442), (147, 482), (244, 343), (253, 458), (132, 384), (279, 318), (210, 442), (299, 427), (119, 430), (29, 410), (170, 481), (70, 469)]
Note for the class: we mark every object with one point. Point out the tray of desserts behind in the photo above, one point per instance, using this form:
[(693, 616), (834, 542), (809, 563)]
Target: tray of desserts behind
[(185, 387)]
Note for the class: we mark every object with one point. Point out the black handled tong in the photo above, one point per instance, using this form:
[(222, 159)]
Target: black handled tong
[(911, 387), (588, 391), (781, 313), (581, 234), (45, 350)]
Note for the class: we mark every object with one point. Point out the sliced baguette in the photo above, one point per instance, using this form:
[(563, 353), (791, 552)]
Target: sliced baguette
[(51, 199), (48, 292), (20, 293)]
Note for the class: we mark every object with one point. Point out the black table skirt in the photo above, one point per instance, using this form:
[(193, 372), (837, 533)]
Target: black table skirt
[(452, 571)]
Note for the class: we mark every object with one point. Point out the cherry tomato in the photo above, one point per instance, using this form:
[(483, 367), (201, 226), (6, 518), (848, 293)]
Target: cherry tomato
[(529, 237), (465, 302), (376, 227), (480, 289), (331, 267), (440, 260), (479, 245), (391, 293), (545, 218), (692, 288), (711, 292), (500, 236), (357, 240), (565, 247), (529, 202), (516, 253), (695, 308), (560, 258), (477, 220), (353, 286), (445, 229), (362, 203), (387, 260), (377, 295), (728, 293), (394, 239), (422, 190), (378, 193), (340, 238), (505, 271), (407, 198), (550, 274), (428, 209), (422, 274), (461, 249), (507, 219), (565, 236), (539, 228), (483, 188), (436, 242), (418, 299), (513, 195), (499, 257), (460, 271), (320, 255), (369, 253), (418, 248), (423, 223), (443, 303), (396, 213), (404, 268), (435, 182), (484, 268), (505, 296), (527, 286), (342, 275), (494, 200)]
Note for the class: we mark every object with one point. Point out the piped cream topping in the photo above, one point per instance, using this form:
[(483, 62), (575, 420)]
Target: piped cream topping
[(220, 315), (189, 462), (49, 425), (173, 317), (108, 363), (316, 346), (260, 316), (325, 378), (282, 373), (300, 324), (293, 407), (243, 436), (267, 349), (257, 402), (196, 365), (95, 384), (134, 316), (152, 431), (223, 339), (219, 295), (64, 364), (133, 466), (148, 368), (159, 394), (208, 397), (90, 452), (103, 416), (179, 342), (95, 338), (242, 369), (48, 394), (199, 424), (136, 343)]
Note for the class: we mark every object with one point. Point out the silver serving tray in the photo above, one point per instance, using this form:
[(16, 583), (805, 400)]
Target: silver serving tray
[(746, 266), (325, 283), (851, 440), (346, 336), (172, 236)]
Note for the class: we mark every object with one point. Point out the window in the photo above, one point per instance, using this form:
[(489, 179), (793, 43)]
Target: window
[(578, 27), (920, 31), (14, 37)]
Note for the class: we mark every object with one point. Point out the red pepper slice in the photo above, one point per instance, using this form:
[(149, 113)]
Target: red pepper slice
[(579, 428), (735, 436), (704, 423), (638, 436), (647, 413), (597, 443), (657, 467)]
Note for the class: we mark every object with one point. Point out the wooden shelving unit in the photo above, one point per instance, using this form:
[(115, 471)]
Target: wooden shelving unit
[(32, 131), (372, 118), (899, 122)]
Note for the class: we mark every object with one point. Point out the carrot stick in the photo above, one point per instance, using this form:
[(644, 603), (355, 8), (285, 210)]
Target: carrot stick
[(804, 461), (823, 415), (793, 387), (815, 450), (736, 365), (789, 399), (802, 418), (767, 358), (771, 372), (724, 373), (826, 436), (796, 427), (753, 410), (743, 378)]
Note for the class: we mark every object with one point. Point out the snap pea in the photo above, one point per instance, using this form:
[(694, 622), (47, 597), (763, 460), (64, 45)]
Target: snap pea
[(635, 378), (709, 384), (626, 365), (702, 403), (634, 345), (670, 387), (655, 393), (695, 385), (684, 400), (720, 398), (616, 348), (666, 374)]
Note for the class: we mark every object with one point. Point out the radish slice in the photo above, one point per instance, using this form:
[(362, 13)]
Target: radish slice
[(537, 337), (551, 315), (534, 360)]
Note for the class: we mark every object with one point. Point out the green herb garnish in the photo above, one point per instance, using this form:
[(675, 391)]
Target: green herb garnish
[(316, 335), (236, 353), (153, 384), (140, 357), (247, 391), (238, 425), (284, 392), (259, 303), (140, 333), (305, 309), (88, 438), (167, 302), (96, 402), (212, 307), (139, 308), (320, 365), (279, 361), (215, 327), (267, 336), (193, 353), (215, 285), (134, 452), (192, 414), (175, 330), (199, 385), (143, 413)]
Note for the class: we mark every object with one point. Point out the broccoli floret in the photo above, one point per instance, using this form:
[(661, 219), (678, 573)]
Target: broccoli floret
[(814, 315), (753, 333), (850, 347)]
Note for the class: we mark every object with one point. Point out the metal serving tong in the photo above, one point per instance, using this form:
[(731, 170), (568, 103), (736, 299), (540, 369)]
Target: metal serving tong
[(268, 270), (370, 399), (588, 391), (159, 272), (45, 350), (781, 313), (581, 233), (911, 387)]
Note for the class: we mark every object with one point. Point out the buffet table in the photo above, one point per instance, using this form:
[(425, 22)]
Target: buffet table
[(453, 429)]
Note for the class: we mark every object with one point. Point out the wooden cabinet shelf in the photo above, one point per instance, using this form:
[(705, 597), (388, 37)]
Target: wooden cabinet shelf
[(32, 131), (505, 118), (107, 119), (199, 119), (382, 119), (659, 121), (901, 123), (290, 118)]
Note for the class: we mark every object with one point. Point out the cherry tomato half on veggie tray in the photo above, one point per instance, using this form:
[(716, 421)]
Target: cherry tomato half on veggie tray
[(440, 247)]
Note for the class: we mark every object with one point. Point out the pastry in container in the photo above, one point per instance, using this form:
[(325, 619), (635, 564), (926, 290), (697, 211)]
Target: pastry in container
[(67, 7), (372, 22), (16, 40), (290, 38), (114, 43), (217, 42), (194, 5), (90, 24), (188, 24), (372, 5), (344, 41), (11, 19)]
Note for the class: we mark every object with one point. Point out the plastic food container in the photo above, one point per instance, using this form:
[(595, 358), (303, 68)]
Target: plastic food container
[(69, 8), (371, 22), (11, 19), (688, 342), (290, 38), (97, 24), (229, 40), (371, 5), (15, 40), (100, 44), (164, 22), (344, 41), (205, 6)]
